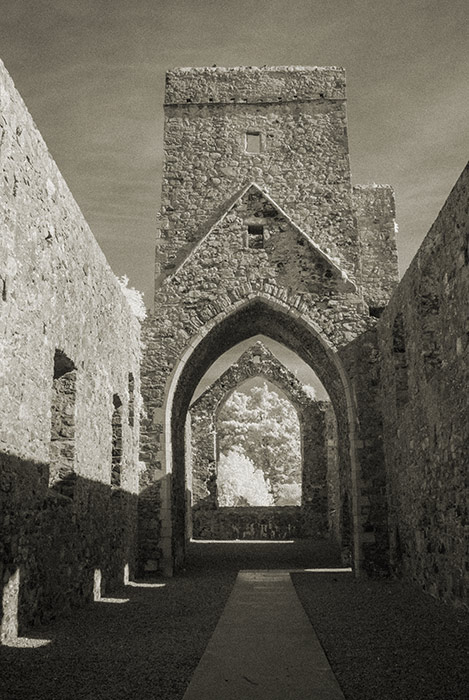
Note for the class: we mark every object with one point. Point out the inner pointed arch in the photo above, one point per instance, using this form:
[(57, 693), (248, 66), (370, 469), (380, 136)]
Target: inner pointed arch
[(276, 320)]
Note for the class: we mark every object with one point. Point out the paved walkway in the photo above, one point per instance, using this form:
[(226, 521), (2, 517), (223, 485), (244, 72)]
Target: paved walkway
[(263, 647)]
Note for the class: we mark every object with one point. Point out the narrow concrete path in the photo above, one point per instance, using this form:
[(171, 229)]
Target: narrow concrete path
[(263, 647)]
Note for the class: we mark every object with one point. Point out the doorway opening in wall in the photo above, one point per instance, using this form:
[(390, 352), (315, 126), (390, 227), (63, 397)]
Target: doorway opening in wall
[(192, 502), (261, 449), (258, 447)]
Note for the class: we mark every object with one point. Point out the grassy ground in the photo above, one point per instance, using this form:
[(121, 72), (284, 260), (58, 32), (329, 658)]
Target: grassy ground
[(382, 639), (386, 640), (146, 648)]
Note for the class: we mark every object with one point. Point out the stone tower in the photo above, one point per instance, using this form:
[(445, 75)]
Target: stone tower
[(260, 232)]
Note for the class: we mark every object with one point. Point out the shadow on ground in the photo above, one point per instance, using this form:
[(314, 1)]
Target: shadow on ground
[(203, 555), (384, 640), (387, 640), (144, 642)]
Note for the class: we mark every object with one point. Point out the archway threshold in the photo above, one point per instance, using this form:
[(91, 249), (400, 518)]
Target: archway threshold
[(238, 555), (204, 541)]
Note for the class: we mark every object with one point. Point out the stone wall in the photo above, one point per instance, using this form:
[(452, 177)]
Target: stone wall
[(299, 114), (362, 362), (68, 344), (319, 465), (424, 345), (280, 257), (300, 117), (260, 232), (375, 213), (251, 523)]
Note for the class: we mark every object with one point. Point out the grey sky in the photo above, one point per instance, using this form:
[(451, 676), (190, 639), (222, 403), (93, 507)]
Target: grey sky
[(92, 74), (303, 372)]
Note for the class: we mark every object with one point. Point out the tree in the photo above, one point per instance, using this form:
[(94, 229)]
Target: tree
[(240, 483), (264, 426), (134, 298)]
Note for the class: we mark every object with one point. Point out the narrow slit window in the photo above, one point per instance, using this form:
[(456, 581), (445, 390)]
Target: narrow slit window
[(255, 236), (116, 459), (400, 361), (131, 399), (253, 142)]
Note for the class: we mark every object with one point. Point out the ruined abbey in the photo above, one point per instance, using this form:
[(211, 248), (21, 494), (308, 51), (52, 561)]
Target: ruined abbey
[(109, 465)]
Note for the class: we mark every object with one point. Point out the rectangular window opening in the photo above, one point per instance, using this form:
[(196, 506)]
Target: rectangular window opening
[(255, 236), (376, 311), (253, 142), (62, 476)]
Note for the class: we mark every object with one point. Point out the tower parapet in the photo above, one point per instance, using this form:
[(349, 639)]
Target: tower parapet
[(252, 85)]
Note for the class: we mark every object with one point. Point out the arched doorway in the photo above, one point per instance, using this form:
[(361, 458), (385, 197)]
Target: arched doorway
[(274, 320), (281, 427), (259, 446)]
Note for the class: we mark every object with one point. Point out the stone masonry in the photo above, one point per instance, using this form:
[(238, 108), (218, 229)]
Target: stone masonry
[(68, 343), (425, 406), (260, 232), (319, 470)]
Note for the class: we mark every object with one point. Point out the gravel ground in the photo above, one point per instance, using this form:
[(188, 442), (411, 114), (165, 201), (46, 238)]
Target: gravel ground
[(382, 639), (386, 640)]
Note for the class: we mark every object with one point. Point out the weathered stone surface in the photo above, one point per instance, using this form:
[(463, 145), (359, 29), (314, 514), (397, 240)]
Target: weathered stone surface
[(258, 234), (253, 523), (362, 362), (375, 213), (256, 85), (426, 427), (60, 302)]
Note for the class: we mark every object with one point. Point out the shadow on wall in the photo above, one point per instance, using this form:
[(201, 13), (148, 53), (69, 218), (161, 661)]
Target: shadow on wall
[(362, 360), (139, 643), (150, 545), (53, 543)]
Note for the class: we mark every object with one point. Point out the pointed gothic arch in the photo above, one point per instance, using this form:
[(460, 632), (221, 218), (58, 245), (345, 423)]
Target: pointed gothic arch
[(226, 440), (274, 319), (313, 515)]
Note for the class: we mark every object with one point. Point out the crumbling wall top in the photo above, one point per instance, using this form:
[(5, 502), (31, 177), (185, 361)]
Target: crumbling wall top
[(249, 84)]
